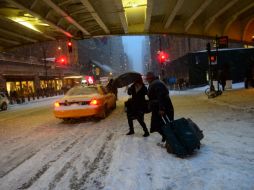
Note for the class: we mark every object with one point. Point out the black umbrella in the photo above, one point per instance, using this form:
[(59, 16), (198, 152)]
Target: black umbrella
[(126, 79)]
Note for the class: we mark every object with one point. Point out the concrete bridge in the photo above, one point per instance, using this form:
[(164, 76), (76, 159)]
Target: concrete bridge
[(23, 22)]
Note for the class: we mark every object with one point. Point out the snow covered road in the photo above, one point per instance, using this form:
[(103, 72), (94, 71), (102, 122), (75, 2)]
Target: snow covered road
[(38, 151)]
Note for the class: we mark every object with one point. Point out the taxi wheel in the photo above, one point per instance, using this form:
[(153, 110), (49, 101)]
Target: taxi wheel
[(104, 112)]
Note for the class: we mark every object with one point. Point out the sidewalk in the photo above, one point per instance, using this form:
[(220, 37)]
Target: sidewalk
[(36, 101)]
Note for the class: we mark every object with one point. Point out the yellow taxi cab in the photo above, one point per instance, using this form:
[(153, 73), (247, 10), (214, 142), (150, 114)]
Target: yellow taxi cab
[(83, 101)]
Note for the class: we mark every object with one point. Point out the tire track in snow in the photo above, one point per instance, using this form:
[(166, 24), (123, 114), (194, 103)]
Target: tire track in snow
[(62, 172), (47, 166), (6, 169), (99, 165), (19, 153), (27, 157)]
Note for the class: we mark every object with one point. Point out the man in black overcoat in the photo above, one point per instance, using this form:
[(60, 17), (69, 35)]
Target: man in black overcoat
[(160, 103)]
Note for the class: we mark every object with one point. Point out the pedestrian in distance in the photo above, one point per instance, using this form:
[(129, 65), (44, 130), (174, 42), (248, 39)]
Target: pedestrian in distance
[(160, 103), (112, 88), (249, 73), (222, 79), (136, 105)]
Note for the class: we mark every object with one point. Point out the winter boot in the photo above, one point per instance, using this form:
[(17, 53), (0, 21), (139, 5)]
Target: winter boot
[(130, 133), (146, 134)]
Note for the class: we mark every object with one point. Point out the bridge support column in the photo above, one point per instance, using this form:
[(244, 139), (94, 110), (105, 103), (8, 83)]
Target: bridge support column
[(37, 82), (2, 82)]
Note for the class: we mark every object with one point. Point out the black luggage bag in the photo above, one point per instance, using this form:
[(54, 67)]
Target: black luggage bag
[(182, 136), (196, 129), (173, 145), (186, 134)]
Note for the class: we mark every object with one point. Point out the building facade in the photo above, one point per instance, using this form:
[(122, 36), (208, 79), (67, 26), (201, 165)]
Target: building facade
[(177, 47), (30, 69), (108, 51)]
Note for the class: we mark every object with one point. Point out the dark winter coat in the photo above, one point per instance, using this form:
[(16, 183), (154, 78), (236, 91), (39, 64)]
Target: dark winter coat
[(159, 101), (138, 102), (111, 88)]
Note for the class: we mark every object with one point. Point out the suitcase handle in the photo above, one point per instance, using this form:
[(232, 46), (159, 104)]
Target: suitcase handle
[(165, 119)]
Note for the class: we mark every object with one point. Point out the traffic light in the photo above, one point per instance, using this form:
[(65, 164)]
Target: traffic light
[(213, 60), (61, 60), (162, 56), (69, 45)]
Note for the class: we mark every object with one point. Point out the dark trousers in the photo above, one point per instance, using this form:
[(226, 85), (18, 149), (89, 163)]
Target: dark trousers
[(140, 118)]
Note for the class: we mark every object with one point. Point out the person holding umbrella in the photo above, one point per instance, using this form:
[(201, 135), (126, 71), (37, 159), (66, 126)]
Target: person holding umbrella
[(136, 105)]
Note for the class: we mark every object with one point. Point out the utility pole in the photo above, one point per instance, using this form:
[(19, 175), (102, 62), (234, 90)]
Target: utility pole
[(161, 65), (45, 63), (217, 53), (208, 48)]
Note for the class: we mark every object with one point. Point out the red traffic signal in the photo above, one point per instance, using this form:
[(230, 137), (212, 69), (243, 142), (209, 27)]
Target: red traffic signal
[(162, 56), (61, 60), (212, 58), (69, 45)]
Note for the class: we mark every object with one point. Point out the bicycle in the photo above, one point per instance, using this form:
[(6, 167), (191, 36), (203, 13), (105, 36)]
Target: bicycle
[(212, 93)]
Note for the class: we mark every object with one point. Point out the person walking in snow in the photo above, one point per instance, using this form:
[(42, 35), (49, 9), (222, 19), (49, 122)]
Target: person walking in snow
[(136, 105), (160, 103), (111, 87)]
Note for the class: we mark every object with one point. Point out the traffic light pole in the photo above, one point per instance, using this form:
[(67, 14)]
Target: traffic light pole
[(45, 63), (208, 47), (212, 93), (160, 65), (217, 53)]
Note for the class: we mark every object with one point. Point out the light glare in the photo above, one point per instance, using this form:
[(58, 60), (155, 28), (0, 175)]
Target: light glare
[(24, 23)]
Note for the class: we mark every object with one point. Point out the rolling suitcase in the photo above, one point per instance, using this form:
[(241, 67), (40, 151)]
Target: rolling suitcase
[(186, 134), (196, 129), (173, 145)]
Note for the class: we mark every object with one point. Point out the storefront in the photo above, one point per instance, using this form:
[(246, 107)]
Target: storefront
[(27, 86), (56, 84)]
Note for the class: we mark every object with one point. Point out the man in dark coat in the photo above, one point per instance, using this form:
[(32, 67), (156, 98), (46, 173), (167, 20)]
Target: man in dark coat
[(160, 103), (136, 106)]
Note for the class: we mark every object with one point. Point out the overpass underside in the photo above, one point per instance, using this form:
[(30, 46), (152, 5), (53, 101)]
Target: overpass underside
[(23, 22)]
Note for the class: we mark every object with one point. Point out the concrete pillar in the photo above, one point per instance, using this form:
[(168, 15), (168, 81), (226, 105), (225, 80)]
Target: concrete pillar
[(36, 82), (2, 82)]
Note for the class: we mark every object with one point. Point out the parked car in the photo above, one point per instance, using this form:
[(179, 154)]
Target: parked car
[(83, 101), (4, 102)]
